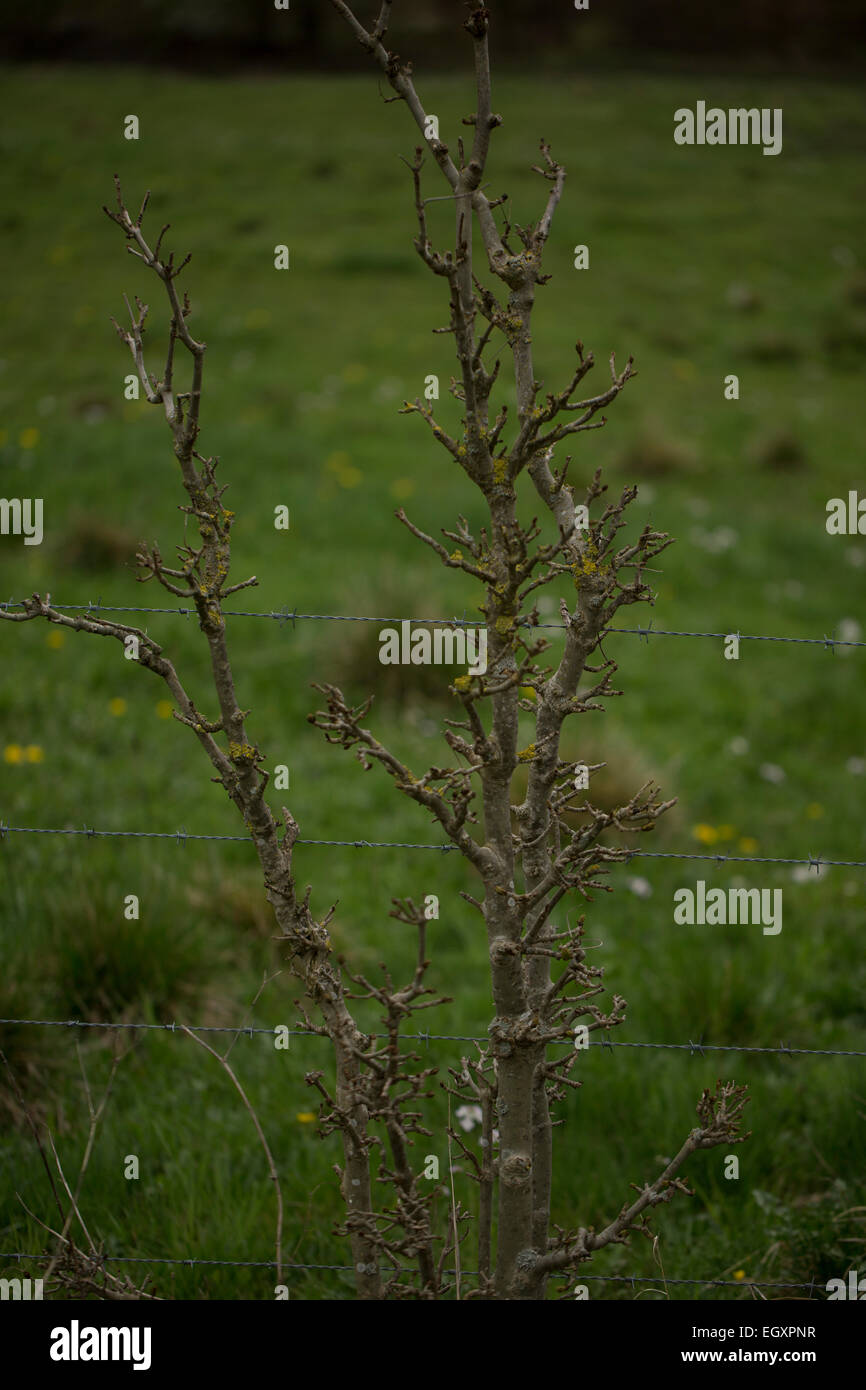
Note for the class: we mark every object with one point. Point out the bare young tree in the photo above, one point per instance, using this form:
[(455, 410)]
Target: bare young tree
[(528, 857)]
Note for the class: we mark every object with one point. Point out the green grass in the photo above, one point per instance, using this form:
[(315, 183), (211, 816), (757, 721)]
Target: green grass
[(702, 263)]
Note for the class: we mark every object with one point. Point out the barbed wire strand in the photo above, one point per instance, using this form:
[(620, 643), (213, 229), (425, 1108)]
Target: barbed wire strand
[(695, 1048), (284, 615), (816, 862), (632, 1279)]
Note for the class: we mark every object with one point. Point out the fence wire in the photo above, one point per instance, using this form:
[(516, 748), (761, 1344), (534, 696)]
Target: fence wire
[(632, 1279), (812, 861), (695, 1049), (285, 614)]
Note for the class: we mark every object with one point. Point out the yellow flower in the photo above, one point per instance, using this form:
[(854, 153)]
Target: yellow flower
[(117, 706), (340, 464), (29, 438), (34, 754), (13, 753), (164, 708), (55, 639), (305, 1117), (739, 1274), (814, 810), (402, 487), (707, 834), (748, 845)]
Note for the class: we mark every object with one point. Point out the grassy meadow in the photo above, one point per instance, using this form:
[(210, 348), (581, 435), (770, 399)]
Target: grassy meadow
[(703, 263)]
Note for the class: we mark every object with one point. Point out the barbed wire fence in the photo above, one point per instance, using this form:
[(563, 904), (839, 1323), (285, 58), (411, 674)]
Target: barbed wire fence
[(181, 837), (284, 615), (633, 1280), (695, 1049), (812, 861)]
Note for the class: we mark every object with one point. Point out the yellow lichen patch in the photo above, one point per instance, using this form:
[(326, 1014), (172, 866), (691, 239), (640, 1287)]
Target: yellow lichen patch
[(583, 567), (500, 470), (242, 752), (462, 682), (527, 754)]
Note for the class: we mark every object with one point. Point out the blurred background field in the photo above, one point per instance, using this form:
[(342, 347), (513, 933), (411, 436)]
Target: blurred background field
[(702, 263)]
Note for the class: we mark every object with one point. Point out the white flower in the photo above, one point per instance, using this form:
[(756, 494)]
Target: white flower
[(389, 389), (805, 873), (738, 746), (723, 538), (771, 772), (856, 766), (849, 631), (641, 887), (468, 1116), (716, 542)]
